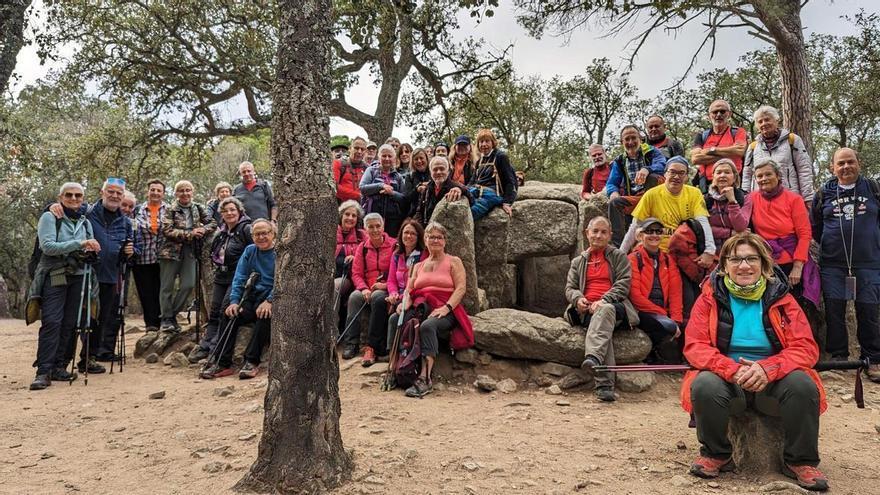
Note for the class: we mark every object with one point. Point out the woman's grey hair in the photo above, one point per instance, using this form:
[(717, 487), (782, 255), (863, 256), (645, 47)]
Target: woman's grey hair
[(221, 185), (432, 226), (386, 147), (270, 223), (769, 162), (348, 205), (373, 217), (231, 200), (766, 110), (71, 185)]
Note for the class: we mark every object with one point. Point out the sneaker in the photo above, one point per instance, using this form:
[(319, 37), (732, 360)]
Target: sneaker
[(420, 388), (62, 375), (587, 366), (197, 354), (606, 394), (94, 367), (41, 382), (369, 357), (215, 371), (151, 329), (808, 477), (248, 371), (873, 372), (710, 467), (350, 351), (168, 326)]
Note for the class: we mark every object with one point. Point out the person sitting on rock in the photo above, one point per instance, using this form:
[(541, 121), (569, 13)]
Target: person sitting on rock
[(494, 181), (258, 258), (656, 292), (369, 272), (437, 286), (441, 186), (752, 346), (596, 289), (349, 237), (409, 250)]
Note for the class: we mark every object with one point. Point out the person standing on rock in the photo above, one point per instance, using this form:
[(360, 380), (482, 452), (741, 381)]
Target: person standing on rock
[(255, 194), (441, 186), (846, 215), (597, 290), (722, 140), (258, 258), (494, 181), (596, 176), (186, 224), (752, 346)]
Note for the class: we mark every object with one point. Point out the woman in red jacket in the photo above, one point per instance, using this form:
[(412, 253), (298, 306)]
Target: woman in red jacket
[(655, 291), (752, 346)]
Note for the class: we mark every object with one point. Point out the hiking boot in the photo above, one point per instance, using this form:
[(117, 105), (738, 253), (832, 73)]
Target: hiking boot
[(94, 367), (197, 354), (873, 373), (108, 357), (41, 382), (808, 477), (248, 371), (605, 394), (215, 371), (151, 329), (62, 375), (369, 357), (350, 351), (710, 467), (420, 388), (169, 326), (587, 366)]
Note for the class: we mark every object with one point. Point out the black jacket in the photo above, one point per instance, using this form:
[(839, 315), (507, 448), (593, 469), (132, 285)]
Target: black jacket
[(495, 170), (231, 244), (428, 200)]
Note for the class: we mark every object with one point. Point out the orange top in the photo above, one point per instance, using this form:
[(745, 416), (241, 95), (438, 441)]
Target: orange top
[(154, 217), (438, 279)]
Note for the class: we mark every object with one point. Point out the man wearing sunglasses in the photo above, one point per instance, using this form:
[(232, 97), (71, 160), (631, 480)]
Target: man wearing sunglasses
[(721, 141)]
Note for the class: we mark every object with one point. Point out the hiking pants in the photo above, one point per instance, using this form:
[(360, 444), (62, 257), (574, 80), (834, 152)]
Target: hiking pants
[(431, 330), (794, 398), (219, 300), (148, 281), (259, 340), (867, 328), (343, 287), (107, 325), (170, 302), (59, 308), (377, 333), (658, 327), (597, 343), (485, 200), (620, 215)]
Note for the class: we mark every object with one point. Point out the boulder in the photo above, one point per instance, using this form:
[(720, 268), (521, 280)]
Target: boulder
[(457, 219), (757, 442), (541, 228), (522, 335), (596, 206), (490, 238), (542, 282), (499, 283), (144, 343), (533, 189)]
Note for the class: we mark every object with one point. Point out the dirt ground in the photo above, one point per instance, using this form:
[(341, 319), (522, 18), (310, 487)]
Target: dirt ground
[(110, 437)]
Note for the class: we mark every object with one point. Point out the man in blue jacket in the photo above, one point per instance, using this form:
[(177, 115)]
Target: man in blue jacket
[(638, 169), (848, 206)]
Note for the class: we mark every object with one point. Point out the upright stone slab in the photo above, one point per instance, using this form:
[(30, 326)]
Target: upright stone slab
[(499, 283), (490, 238), (533, 189), (757, 442), (541, 228), (542, 282), (457, 219), (588, 210)]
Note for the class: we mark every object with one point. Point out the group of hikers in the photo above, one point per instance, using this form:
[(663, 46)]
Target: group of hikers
[(718, 272)]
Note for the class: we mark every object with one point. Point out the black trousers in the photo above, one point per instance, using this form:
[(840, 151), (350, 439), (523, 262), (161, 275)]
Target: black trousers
[(107, 324), (259, 339), (867, 329), (219, 300), (147, 281), (59, 309)]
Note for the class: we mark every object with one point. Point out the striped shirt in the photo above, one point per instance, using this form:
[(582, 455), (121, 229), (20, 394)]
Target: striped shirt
[(149, 242)]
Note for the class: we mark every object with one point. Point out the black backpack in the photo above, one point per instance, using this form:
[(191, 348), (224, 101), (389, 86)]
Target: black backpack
[(37, 252), (408, 363)]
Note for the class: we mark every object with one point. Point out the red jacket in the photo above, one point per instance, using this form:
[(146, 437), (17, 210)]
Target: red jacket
[(371, 263), (684, 251), (643, 282), (791, 328), (781, 217), (348, 179)]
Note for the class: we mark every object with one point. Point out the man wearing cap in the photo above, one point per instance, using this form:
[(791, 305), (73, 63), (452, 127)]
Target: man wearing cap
[(347, 172), (255, 194), (370, 154), (462, 162), (595, 176), (339, 146)]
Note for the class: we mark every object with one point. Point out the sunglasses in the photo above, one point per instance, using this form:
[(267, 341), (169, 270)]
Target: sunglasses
[(653, 231), (69, 195), (115, 181)]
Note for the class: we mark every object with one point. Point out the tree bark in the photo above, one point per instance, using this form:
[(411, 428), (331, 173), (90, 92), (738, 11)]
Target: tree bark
[(301, 447), (12, 22)]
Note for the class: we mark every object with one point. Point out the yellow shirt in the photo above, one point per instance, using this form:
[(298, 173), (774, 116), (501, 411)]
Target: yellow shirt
[(671, 210)]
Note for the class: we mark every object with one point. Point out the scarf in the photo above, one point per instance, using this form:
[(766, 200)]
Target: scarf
[(72, 214), (774, 193), (752, 292)]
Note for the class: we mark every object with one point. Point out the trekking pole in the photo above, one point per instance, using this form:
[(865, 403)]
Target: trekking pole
[(348, 327), (79, 327), (345, 266), (88, 328), (226, 333), (120, 315), (389, 383), (197, 253)]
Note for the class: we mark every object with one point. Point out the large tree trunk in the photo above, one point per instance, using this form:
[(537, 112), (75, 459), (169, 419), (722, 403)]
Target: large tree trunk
[(301, 447), (783, 22), (12, 22)]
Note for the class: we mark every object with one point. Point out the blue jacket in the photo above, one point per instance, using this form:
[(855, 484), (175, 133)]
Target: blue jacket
[(620, 182), (111, 230), (860, 205), (254, 260), (390, 205)]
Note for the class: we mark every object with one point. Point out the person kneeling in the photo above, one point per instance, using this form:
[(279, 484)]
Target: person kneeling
[(596, 288), (752, 346), (258, 258)]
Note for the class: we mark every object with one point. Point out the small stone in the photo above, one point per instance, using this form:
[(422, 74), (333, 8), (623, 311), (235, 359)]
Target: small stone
[(553, 390), (374, 480), (180, 435), (543, 381), (782, 486), (248, 437), (680, 445), (714, 484), (574, 379), (46, 455), (563, 403), (468, 356), (485, 383), (470, 466), (144, 343), (877, 427), (253, 407), (439, 387), (847, 398), (224, 391), (485, 358), (374, 371), (556, 369), (680, 481), (635, 382), (158, 395), (176, 360), (119, 429), (151, 358), (506, 386), (216, 467)]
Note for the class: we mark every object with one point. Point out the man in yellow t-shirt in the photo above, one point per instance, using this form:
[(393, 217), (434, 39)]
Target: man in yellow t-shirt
[(672, 204)]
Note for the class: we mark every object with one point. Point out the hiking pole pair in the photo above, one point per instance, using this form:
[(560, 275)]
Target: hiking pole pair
[(345, 269), (389, 383), (85, 297), (120, 315), (225, 335)]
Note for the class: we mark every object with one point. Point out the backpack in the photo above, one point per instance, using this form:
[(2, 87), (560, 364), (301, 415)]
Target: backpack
[(408, 363), (37, 253), (754, 144)]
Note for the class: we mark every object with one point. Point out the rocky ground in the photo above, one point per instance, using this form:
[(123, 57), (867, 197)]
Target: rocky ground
[(111, 437)]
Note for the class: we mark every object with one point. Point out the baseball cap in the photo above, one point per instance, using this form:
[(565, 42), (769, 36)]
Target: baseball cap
[(462, 140)]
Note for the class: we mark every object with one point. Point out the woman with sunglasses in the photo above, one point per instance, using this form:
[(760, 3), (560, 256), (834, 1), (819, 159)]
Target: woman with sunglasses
[(751, 346)]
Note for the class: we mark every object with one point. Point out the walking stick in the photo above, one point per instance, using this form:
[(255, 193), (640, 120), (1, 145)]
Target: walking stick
[(120, 315), (347, 327), (223, 340), (79, 325), (197, 253), (389, 383), (88, 328), (345, 268)]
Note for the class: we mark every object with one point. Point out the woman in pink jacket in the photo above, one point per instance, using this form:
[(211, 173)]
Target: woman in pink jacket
[(410, 250)]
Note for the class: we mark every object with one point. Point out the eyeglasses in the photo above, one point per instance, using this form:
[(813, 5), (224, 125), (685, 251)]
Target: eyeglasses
[(718, 112), (264, 233), (677, 173), (653, 231), (115, 181), (69, 195), (436, 238), (751, 260)]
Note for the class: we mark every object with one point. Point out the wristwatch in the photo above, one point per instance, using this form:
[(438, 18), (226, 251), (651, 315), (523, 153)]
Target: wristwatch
[(712, 150), (448, 307)]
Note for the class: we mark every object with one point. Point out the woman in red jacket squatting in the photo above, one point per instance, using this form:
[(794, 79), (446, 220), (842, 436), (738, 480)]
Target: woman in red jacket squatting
[(741, 363)]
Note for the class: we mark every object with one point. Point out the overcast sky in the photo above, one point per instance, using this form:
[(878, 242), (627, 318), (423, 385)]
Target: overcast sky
[(659, 64)]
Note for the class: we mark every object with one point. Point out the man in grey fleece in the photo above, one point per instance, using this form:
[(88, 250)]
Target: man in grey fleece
[(597, 289)]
